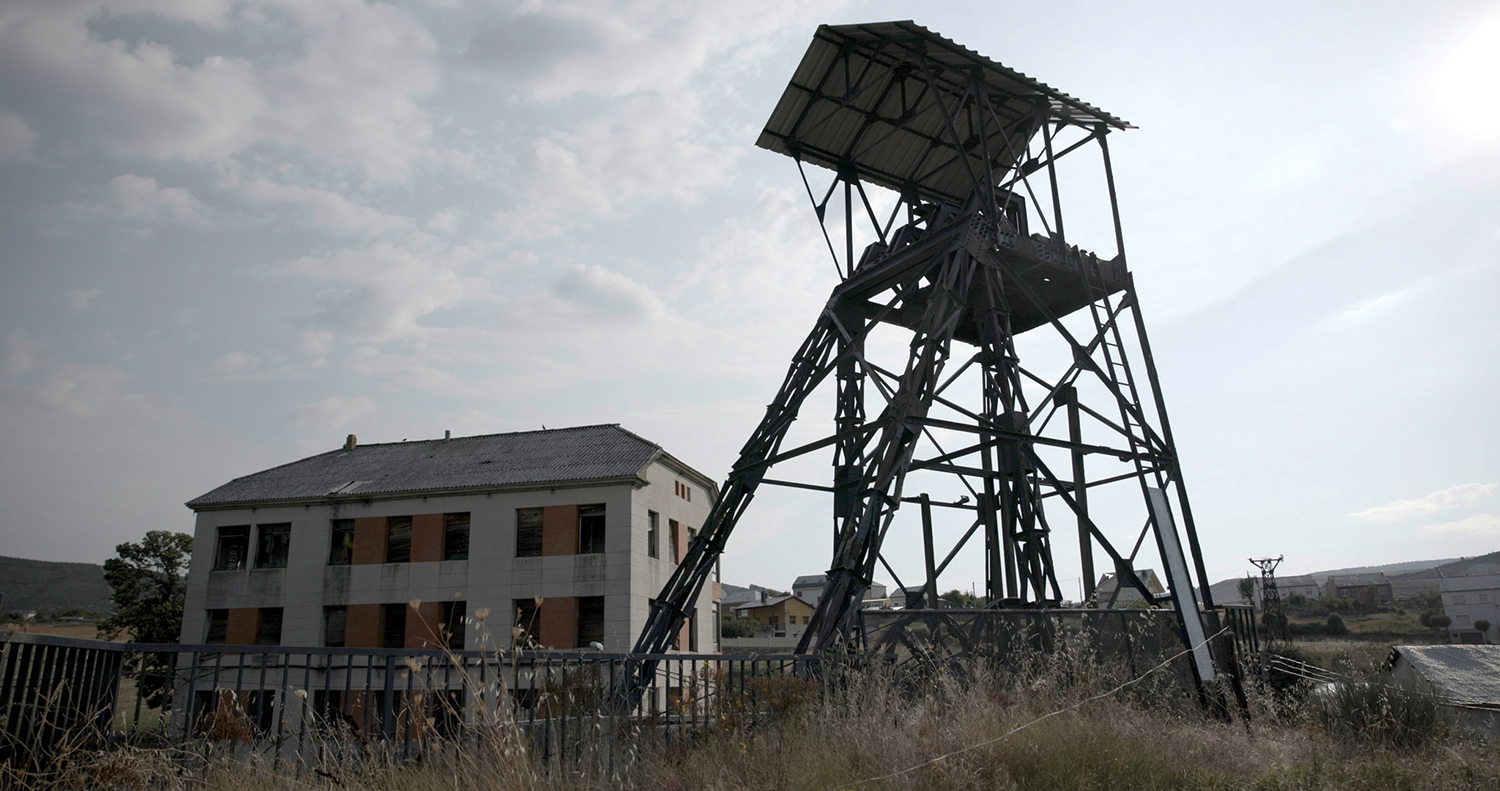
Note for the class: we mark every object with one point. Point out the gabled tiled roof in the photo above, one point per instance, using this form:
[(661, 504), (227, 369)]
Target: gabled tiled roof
[(584, 453)]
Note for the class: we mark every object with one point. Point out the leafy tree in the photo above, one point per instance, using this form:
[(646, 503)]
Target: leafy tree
[(1247, 589), (147, 581), (1439, 622), (963, 600), (1336, 626), (1482, 625), (731, 625)]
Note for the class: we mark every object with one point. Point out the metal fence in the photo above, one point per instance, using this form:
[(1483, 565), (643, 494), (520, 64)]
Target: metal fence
[(298, 704), (310, 705)]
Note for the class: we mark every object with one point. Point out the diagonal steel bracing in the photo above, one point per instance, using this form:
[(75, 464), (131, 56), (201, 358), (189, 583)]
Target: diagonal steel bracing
[(953, 141)]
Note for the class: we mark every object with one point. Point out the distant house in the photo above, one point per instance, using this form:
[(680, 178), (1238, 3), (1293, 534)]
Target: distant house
[(735, 596), (1465, 679), (1469, 599), (1105, 592), (809, 587), (783, 616), (1306, 587), (1374, 587)]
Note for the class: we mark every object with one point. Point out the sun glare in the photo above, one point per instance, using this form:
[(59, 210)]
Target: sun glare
[(1467, 81)]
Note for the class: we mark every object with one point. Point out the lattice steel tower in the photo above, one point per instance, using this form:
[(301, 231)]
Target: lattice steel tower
[(1271, 615), (943, 162)]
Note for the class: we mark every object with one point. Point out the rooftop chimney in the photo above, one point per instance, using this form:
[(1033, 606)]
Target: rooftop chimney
[(447, 435), (351, 443)]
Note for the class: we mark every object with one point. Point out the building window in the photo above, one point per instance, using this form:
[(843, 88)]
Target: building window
[(271, 550), (268, 632), (684, 491), (1484, 598), (590, 620), (234, 545), (528, 621), (1459, 599), (653, 534), (341, 543), (1461, 620), (590, 529), (693, 631), (397, 539), (676, 550), (334, 621), (393, 625), (718, 622), (218, 627), (528, 532), (455, 536), (454, 613)]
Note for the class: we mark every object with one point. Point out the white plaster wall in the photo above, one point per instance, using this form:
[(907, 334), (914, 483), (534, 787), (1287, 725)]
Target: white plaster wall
[(492, 578)]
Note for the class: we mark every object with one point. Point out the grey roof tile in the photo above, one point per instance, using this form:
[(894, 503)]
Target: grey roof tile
[(583, 453)]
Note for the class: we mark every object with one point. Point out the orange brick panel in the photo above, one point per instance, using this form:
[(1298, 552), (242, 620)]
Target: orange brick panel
[(559, 622), (369, 540), (683, 639), (560, 530), (423, 625), (243, 623), (682, 542), (426, 538), (718, 592), (362, 626)]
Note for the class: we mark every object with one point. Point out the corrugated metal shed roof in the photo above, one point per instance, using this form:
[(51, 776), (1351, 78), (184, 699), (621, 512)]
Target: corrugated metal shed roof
[(583, 453), (1468, 674), (861, 98)]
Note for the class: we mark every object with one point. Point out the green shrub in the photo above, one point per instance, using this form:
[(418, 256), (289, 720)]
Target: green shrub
[(1377, 710), (1336, 626)]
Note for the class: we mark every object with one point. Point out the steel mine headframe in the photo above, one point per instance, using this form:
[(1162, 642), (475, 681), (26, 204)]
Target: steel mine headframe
[(961, 155)]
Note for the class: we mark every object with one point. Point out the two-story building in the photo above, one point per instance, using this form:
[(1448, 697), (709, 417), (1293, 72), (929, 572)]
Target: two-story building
[(1472, 601), (565, 534)]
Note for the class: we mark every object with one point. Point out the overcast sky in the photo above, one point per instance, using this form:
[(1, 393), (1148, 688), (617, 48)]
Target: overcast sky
[(236, 231)]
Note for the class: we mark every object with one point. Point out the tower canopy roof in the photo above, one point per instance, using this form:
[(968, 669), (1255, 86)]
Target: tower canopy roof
[(875, 99)]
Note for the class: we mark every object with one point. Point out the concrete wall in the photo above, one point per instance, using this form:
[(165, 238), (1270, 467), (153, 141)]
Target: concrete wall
[(491, 578)]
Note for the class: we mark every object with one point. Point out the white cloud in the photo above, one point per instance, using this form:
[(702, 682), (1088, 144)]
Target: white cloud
[(648, 147), (141, 198), (330, 210), (1444, 499), (346, 77), (381, 291), (235, 362), (79, 298), (16, 138), (559, 49), (596, 292), (85, 390), (332, 412), (20, 352), (445, 221), (1478, 524)]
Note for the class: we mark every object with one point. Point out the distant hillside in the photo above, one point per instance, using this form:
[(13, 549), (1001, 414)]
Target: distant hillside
[(45, 586), (1407, 578)]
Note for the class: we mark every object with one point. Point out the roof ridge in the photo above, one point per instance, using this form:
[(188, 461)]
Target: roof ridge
[(499, 434)]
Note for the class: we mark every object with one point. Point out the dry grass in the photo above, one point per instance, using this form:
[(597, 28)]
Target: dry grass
[(1038, 729)]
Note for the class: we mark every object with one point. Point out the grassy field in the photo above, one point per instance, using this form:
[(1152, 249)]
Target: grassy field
[(1031, 731)]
